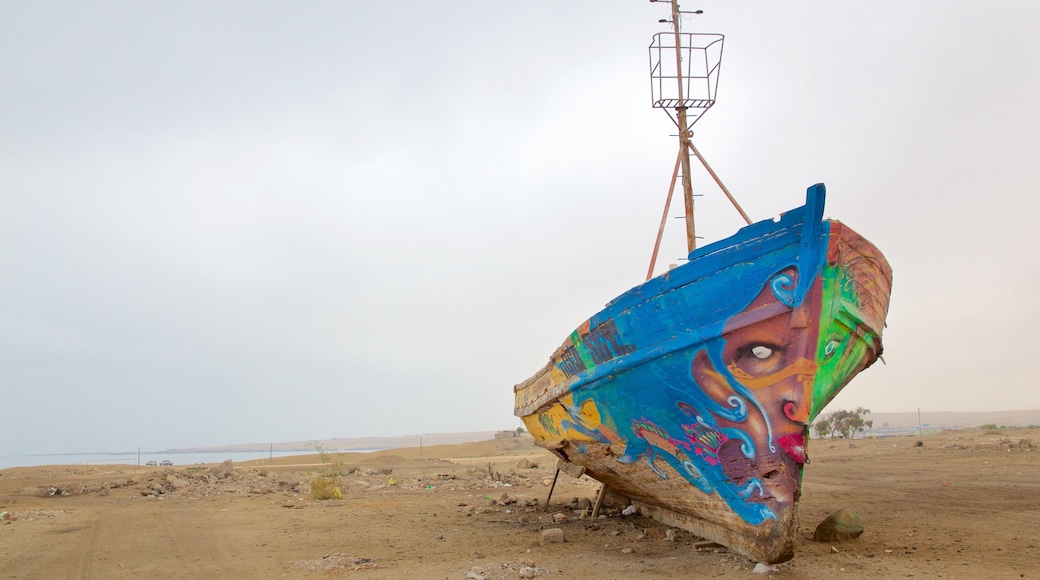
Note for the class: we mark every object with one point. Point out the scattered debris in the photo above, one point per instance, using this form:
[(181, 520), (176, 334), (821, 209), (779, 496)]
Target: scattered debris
[(335, 561), (35, 515)]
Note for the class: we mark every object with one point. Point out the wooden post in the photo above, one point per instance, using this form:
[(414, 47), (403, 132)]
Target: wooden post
[(664, 217), (714, 176), (599, 501), (553, 486)]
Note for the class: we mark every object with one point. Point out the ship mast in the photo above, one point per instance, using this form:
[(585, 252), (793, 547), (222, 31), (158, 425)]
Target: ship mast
[(687, 88), (684, 132)]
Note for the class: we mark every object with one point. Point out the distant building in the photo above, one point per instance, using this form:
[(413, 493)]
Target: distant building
[(506, 434)]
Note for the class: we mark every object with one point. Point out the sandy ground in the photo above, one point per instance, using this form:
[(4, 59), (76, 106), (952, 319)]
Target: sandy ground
[(964, 504)]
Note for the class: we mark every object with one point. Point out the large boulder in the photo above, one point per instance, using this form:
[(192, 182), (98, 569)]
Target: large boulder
[(552, 536), (174, 483), (840, 525), (223, 470)]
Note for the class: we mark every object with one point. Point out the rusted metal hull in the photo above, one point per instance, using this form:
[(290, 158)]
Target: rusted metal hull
[(692, 393)]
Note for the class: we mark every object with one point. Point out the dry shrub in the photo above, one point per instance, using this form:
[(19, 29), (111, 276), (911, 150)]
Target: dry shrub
[(326, 487)]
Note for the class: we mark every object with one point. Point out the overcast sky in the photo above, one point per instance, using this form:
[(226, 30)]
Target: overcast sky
[(230, 222)]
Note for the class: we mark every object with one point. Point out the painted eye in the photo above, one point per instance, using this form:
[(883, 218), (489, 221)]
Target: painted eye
[(762, 352), (757, 358), (828, 349)]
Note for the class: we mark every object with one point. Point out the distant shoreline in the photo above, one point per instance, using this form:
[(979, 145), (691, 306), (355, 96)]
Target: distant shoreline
[(246, 451), (346, 444), (885, 424)]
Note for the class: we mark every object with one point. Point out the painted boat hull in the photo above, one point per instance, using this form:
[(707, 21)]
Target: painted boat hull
[(692, 394)]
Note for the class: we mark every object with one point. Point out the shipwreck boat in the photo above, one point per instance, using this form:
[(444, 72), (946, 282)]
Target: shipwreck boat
[(692, 393)]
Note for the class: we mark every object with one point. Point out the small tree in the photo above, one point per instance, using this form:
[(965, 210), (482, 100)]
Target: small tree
[(822, 427), (848, 423)]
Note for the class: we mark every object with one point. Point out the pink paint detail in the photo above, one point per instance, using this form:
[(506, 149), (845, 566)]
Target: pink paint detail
[(796, 412), (794, 445)]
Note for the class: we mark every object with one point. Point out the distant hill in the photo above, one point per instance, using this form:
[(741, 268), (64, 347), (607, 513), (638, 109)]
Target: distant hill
[(937, 420), (350, 443)]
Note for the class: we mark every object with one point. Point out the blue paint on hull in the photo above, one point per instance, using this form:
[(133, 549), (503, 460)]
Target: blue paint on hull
[(646, 391)]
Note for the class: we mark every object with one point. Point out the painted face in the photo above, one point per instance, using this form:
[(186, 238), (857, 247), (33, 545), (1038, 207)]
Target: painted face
[(857, 283), (767, 359)]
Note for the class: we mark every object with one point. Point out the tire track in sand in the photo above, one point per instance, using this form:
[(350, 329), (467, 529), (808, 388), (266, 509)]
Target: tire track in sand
[(183, 556), (85, 565)]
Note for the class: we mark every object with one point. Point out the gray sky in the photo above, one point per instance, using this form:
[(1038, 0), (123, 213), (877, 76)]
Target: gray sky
[(227, 222)]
